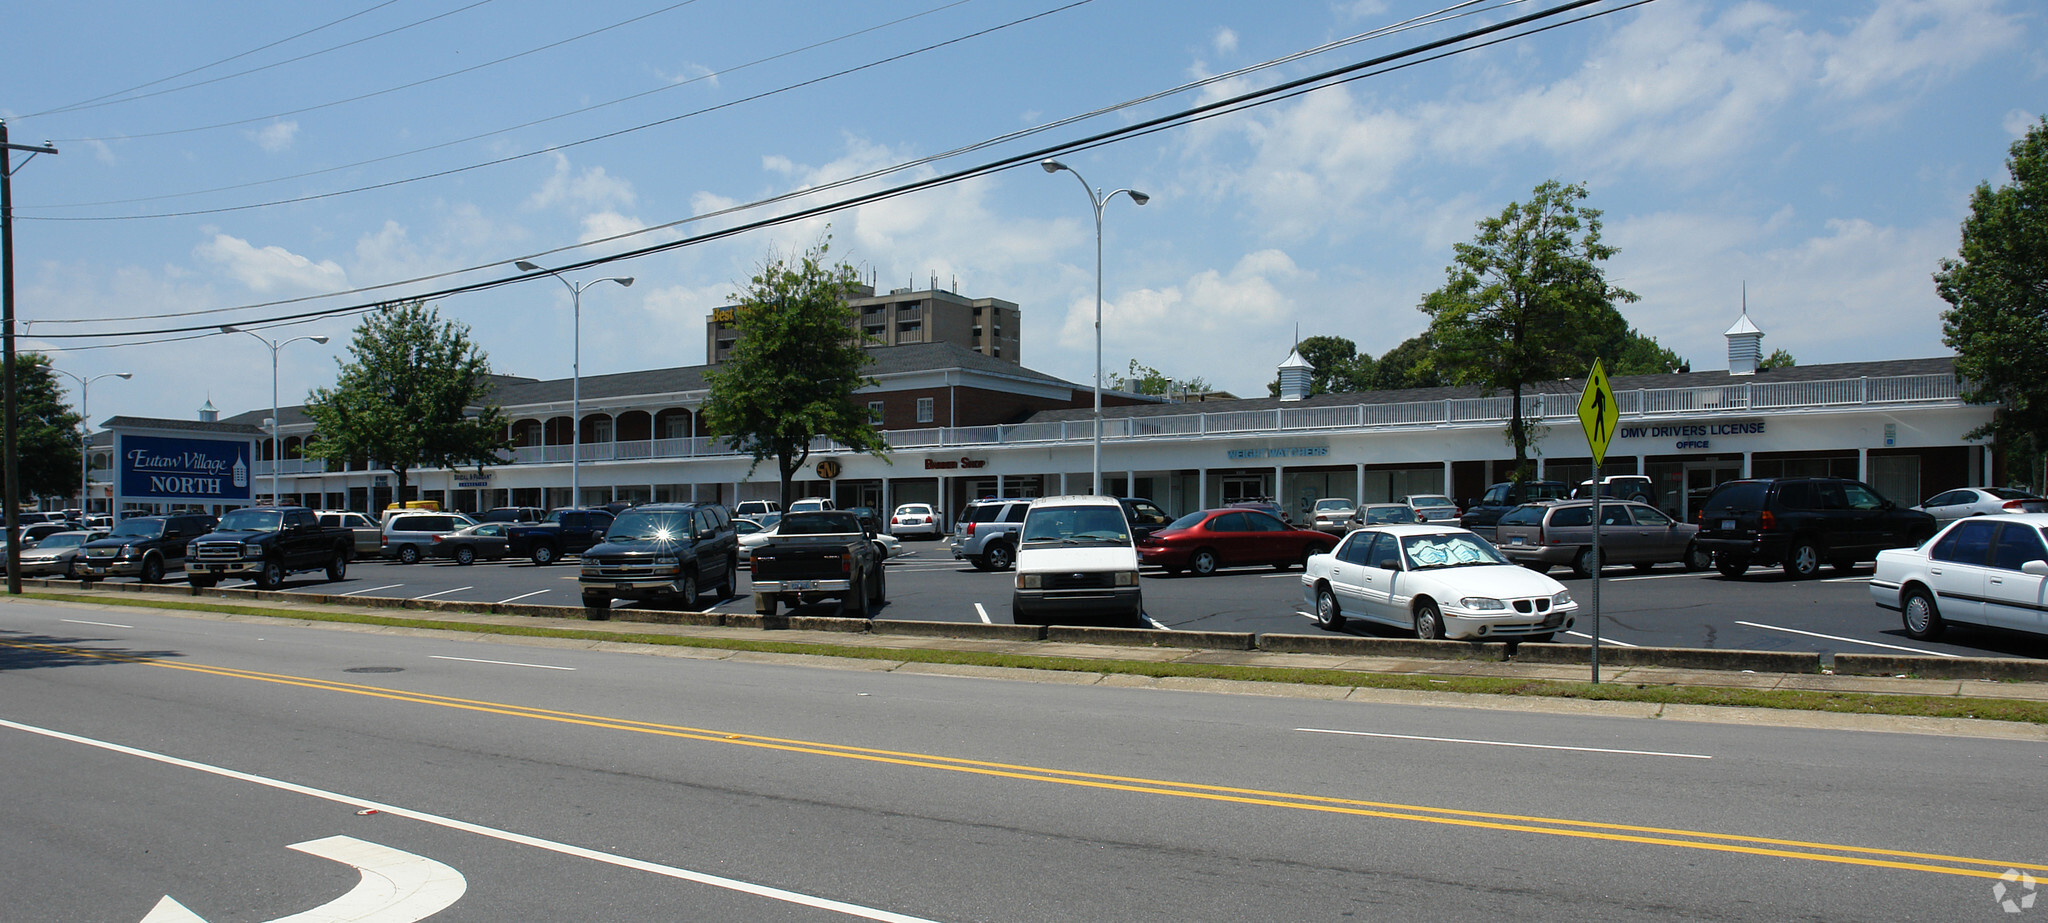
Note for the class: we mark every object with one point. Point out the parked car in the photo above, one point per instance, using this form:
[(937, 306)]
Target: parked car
[(1145, 516), (663, 552), (1432, 507), (1481, 514), (1381, 514), (987, 533), (484, 541), (1543, 535), (1989, 571), (1436, 581), (512, 514), (37, 531), (144, 546), (1202, 542), (812, 505), (563, 532), (915, 519), (268, 544), (409, 535), (1268, 507), (1331, 514), (814, 556), (58, 554), (1798, 523), (752, 534), (1951, 505), (1635, 487), (1076, 561), (755, 509), (369, 537)]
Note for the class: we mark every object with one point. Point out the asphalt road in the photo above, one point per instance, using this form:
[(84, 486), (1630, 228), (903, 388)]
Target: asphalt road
[(146, 755), (1667, 607)]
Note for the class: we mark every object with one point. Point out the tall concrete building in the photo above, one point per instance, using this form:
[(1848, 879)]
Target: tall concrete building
[(989, 326)]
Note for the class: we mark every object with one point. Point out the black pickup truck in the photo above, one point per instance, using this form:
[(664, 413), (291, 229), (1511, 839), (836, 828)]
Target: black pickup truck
[(562, 532), (662, 552), (269, 544), (814, 556)]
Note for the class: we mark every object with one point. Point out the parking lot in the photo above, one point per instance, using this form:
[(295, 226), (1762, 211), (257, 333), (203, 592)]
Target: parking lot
[(1667, 607)]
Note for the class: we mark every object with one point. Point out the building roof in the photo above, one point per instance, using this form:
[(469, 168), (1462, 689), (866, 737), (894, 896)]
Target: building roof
[(223, 428)]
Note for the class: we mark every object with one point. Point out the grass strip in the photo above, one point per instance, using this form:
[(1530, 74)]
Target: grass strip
[(1860, 703)]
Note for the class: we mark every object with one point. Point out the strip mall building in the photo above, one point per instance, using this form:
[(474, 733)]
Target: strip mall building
[(963, 425)]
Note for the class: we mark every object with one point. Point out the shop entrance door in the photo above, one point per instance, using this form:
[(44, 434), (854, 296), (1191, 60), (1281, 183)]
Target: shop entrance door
[(1701, 477), (1238, 488)]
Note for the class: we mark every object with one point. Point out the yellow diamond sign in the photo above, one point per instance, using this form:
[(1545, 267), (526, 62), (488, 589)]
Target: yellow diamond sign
[(1597, 412)]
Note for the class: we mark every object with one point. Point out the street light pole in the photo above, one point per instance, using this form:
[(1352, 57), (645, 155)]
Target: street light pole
[(575, 373), (276, 457), (85, 438), (10, 467), (1097, 199)]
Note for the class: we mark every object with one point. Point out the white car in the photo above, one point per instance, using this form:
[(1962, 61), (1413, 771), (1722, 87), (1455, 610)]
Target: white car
[(1076, 562), (1432, 507), (887, 546), (1951, 505), (915, 519), (1983, 570), (1437, 581), (1332, 515), (752, 535)]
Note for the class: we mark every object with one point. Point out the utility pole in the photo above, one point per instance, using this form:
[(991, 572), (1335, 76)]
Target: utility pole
[(12, 467)]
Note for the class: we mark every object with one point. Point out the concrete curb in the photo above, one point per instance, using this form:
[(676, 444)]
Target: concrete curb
[(1676, 657), (1147, 637), (1356, 646), (968, 630), (2031, 671)]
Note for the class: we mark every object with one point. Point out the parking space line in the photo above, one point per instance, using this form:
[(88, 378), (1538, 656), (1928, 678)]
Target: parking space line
[(519, 597), (1634, 577), (1813, 634), (101, 624), (1508, 743), (1156, 624), (978, 610), (1603, 640), (444, 592), (374, 589)]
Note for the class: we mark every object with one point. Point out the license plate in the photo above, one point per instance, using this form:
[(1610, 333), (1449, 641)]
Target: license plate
[(1516, 540), (1727, 525), (800, 584)]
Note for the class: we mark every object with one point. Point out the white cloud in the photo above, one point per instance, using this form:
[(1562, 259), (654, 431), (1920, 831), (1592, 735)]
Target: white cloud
[(2019, 121), (1916, 41), (593, 188), (270, 269), (1211, 324), (1225, 41), (275, 137)]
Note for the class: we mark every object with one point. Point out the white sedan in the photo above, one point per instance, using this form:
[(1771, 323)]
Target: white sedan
[(915, 519), (1437, 581), (1951, 505), (1984, 570)]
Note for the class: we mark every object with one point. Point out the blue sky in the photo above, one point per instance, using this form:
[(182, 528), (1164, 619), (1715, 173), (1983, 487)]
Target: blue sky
[(1823, 153)]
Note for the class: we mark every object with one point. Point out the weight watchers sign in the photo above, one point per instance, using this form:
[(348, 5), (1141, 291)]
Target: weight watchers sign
[(184, 469)]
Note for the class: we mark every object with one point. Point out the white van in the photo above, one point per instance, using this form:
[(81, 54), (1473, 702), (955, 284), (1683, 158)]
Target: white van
[(1076, 562)]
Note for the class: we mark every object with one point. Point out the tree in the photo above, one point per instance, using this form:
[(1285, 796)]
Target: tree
[(1778, 359), (1526, 302), (794, 370), (1413, 364), (1997, 290), (1643, 355), (1144, 379), (411, 395), (46, 434), (1338, 366)]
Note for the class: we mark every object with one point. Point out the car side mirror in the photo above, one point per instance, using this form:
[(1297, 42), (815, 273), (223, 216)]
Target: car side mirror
[(1389, 564), (2035, 568)]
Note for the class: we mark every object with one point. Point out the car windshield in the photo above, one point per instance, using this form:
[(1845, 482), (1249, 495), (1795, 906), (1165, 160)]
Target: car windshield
[(251, 521), (1449, 549), (139, 528), (1332, 504), (644, 526), (63, 540), (1381, 515), (1077, 525), (919, 510), (1185, 522), (1430, 500)]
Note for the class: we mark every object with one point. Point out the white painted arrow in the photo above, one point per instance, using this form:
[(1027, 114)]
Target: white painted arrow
[(397, 887)]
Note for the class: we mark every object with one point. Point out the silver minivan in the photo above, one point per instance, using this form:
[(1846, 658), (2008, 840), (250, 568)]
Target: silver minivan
[(407, 536)]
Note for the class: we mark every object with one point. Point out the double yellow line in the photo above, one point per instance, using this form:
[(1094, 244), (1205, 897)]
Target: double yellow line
[(1550, 826)]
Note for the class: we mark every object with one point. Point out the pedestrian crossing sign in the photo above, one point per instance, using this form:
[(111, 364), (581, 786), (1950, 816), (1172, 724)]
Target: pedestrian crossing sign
[(1597, 412)]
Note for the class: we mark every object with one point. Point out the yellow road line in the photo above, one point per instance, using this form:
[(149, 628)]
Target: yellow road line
[(1595, 830)]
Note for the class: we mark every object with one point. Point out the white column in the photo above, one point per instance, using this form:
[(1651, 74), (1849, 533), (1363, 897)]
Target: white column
[(1863, 465), (1448, 484), (1201, 489), (1130, 483), (1358, 478), (1745, 464), (888, 507)]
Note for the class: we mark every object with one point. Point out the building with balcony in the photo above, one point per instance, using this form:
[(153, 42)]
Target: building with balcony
[(989, 326)]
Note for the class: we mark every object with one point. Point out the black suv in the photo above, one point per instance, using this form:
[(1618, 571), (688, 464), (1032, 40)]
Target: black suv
[(1483, 514), (144, 546), (662, 552), (1797, 523)]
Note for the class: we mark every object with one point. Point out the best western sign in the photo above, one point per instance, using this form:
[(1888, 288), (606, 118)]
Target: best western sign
[(184, 469)]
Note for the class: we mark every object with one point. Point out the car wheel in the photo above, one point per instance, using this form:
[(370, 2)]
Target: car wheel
[(1802, 561), (465, 555), (1328, 616), (855, 605), (270, 576), (1582, 563), (1730, 566), (1922, 618), (71, 569), (152, 569), (881, 593), (980, 562), (597, 607), (686, 590), (727, 587), (408, 554), (1203, 562), (1001, 557), (1429, 621), (337, 568), (1698, 559), (543, 555), (764, 605)]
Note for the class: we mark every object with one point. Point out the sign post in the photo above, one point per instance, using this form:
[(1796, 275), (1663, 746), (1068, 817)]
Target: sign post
[(1598, 415)]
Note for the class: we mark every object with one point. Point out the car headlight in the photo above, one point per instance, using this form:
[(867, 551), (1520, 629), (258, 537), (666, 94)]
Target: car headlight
[(250, 549), (1126, 578), (1562, 599), (191, 551), (1482, 602), (1030, 581), (125, 549)]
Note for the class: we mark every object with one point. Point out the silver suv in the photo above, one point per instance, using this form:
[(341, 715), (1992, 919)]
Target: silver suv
[(987, 533), (407, 536)]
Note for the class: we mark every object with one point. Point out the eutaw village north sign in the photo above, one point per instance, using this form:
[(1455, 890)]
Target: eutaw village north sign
[(195, 469)]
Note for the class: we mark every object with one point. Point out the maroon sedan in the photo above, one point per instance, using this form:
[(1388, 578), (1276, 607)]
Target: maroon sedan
[(1204, 541)]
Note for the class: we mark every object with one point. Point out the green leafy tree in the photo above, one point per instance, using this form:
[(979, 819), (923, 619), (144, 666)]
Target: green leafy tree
[(794, 371), (412, 394), (1643, 355), (1526, 302), (1412, 364), (1144, 379), (1997, 290), (46, 435), (1778, 359), (1338, 366)]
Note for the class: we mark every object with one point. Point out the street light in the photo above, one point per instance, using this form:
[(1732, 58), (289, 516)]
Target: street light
[(276, 459), (575, 373), (85, 441), (1097, 199)]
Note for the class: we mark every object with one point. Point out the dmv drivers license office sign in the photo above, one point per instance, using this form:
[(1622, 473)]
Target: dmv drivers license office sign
[(208, 469)]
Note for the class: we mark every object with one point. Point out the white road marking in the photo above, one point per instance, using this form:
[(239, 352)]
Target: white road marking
[(519, 597), (390, 586), (101, 624), (1811, 634), (1847, 580), (445, 592), (669, 871), (396, 887), (1275, 576), (1156, 624), (978, 610), (1634, 577), (1509, 743), (502, 663), (1602, 640)]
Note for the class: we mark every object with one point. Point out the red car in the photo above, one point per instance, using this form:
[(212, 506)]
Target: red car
[(1202, 542)]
